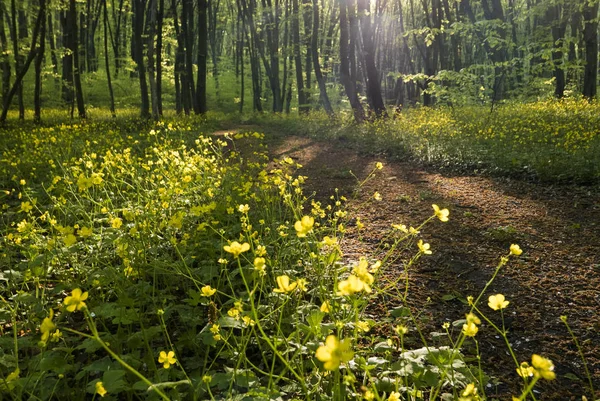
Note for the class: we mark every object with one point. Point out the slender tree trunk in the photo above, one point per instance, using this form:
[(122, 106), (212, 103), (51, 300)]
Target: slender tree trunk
[(76, 70), (107, 64), (373, 84), (187, 28), (180, 100), (150, 33), (308, 29), (37, 92), (315, 59), (302, 106), (202, 56), (67, 60), (25, 67), (52, 43), (138, 29), (159, 49), (590, 35), (15, 37), (4, 60), (349, 84)]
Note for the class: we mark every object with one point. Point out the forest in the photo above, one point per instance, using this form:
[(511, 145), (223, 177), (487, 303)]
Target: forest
[(264, 200)]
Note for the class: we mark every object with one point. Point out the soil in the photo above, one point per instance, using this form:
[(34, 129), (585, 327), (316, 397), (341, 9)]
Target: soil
[(558, 228)]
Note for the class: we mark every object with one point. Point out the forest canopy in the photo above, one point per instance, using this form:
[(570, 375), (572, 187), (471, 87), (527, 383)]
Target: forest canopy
[(279, 55)]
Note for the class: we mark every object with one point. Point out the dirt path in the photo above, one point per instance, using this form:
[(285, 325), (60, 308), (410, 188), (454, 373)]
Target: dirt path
[(558, 229)]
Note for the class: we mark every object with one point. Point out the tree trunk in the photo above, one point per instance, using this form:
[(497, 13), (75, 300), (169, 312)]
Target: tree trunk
[(106, 63), (349, 84), (150, 49), (302, 106), (76, 70), (315, 59), (37, 92), (4, 59), (138, 28), (159, 46), (373, 84), (51, 41), (202, 56), (25, 67), (67, 59), (590, 35)]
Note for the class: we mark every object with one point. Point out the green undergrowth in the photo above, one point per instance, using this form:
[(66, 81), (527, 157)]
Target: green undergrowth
[(553, 141), (148, 261)]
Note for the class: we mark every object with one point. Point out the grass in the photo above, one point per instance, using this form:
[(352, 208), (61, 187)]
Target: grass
[(554, 141), (146, 260)]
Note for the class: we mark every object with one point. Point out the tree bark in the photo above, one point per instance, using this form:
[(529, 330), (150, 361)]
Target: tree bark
[(373, 84), (202, 56), (107, 64), (590, 35), (349, 84), (138, 28), (316, 63), (76, 69), (37, 92)]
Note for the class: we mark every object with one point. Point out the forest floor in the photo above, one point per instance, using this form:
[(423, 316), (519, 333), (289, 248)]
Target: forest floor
[(558, 228)]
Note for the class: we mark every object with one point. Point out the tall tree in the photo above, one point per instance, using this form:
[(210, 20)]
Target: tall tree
[(139, 8), (106, 62), (315, 58), (590, 35), (202, 57), (37, 92), (349, 84), (373, 83)]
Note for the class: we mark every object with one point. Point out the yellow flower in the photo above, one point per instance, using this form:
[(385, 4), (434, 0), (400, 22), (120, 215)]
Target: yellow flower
[(400, 227), (497, 302), (543, 367), (424, 248), (208, 291), (524, 370), (235, 248), (352, 285), (325, 307), (304, 226), (301, 282), (75, 300), (26, 207), (85, 232), (394, 396), (362, 272), (334, 352), (243, 208), (116, 222), (469, 393), (167, 359), (69, 239), (515, 250), (379, 165), (441, 214), (363, 326), (328, 241), (259, 266), (284, 285), (377, 196), (470, 329), (100, 390), (472, 318), (47, 326)]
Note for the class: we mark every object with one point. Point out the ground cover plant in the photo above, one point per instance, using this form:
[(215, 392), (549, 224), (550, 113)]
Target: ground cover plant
[(154, 262), (551, 140)]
